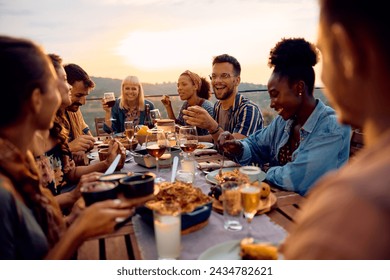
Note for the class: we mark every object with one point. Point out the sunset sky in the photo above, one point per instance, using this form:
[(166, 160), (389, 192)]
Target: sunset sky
[(156, 40)]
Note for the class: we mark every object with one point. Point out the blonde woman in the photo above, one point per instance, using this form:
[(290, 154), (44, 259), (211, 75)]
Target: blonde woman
[(130, 106)]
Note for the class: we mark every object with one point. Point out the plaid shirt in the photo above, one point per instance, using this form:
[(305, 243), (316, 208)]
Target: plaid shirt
[(245, 116)]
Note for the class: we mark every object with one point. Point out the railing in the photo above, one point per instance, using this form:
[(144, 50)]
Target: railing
[(94, 109)]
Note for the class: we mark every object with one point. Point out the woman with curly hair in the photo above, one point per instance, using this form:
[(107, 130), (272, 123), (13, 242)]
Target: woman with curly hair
[(305, 140), (194, 90)]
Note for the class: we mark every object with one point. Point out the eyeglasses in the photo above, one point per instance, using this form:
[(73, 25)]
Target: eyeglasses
[(223, 76)]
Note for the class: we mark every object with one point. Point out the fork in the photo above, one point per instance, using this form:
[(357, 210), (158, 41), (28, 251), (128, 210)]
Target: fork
[(222, 163)]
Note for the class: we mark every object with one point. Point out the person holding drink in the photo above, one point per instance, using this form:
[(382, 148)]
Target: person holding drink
[(129, 107)]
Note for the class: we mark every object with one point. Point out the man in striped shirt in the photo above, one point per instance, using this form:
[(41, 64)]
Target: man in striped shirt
[(232, 112)]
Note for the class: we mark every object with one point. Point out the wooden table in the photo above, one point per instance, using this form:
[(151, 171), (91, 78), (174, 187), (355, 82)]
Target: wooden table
[(122, 244)]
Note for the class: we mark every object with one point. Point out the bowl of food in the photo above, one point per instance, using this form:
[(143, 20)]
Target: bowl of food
[(143, 158), (136, 185), (98, 191), (195, 205)]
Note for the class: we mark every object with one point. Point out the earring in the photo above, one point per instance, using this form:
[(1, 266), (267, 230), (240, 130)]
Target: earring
[(300, 94)]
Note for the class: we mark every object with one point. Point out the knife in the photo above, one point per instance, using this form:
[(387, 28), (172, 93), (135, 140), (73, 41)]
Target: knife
[(113, 165), (174, 168)]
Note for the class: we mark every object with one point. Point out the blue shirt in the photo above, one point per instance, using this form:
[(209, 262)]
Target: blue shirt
[(324, 146), (244, 117), (119, 115)]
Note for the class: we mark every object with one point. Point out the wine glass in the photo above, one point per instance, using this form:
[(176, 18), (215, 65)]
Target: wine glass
[(250, 198), (156, 144), (155, 115), (129, 130), (188, 139), (111, 130)]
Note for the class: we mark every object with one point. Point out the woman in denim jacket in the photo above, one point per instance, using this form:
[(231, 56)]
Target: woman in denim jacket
[(305, 140)]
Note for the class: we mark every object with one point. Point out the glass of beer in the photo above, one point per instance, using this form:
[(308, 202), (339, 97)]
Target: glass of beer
[(109, 99), (250, 198)]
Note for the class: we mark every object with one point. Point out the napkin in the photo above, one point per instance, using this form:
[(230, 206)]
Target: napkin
[(215, 164), (201, 152)]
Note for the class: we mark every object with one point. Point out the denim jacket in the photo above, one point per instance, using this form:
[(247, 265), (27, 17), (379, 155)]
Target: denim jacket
[(324, 146), (119, 115)]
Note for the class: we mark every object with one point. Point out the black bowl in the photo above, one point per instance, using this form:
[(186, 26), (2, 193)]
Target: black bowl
[(114, 177), (98, 191), (136, 185)]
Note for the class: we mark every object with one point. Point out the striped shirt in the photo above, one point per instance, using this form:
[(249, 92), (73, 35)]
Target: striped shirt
[(244, 117)]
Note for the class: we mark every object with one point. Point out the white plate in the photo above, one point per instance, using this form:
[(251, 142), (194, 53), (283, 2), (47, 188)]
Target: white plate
[(95, 155), (229, 250), (210, 177), (207, 145)]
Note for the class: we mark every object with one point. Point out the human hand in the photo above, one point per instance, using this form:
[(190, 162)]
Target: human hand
[(229, 145), (101, 217), (166, 101), (115, 148), (105, 106), (198, 116), (82, 143)]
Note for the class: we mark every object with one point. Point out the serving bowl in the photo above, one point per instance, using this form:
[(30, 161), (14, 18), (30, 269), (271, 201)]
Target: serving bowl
[(143, 158), (190, 222)]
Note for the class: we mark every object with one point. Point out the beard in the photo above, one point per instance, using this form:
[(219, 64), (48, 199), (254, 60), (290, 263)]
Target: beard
[(73, 107), (224, 95)]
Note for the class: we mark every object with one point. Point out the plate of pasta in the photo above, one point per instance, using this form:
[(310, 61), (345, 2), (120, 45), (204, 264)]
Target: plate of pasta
[(229, 172)]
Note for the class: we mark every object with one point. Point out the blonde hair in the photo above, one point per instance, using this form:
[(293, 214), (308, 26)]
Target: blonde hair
[(141, 100)]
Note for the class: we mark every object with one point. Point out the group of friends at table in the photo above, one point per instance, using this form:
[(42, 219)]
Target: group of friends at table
[(44, 139)]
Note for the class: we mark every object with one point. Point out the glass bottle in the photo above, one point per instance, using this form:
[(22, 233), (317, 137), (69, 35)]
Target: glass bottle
[(148, 120)]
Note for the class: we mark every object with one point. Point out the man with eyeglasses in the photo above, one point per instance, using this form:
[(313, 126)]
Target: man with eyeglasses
[(232, 112)]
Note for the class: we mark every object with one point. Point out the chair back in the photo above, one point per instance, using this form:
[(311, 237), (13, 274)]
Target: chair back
[(357, 142), (99, 122)]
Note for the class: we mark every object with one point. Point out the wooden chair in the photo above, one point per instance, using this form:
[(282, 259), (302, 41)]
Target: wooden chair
[(99, 127), (357, 142)]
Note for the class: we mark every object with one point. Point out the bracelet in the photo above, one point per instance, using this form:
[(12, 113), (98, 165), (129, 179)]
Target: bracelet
[(215, 131)]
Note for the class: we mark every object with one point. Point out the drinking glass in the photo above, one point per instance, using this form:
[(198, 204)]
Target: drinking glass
[(156, 144), (188, 139), (112, 131), (109, 99), (155, 115), (250, 198), (129, 130), (167, 230)]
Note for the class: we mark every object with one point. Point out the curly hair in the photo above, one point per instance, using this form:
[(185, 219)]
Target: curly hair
[(294, 58)]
